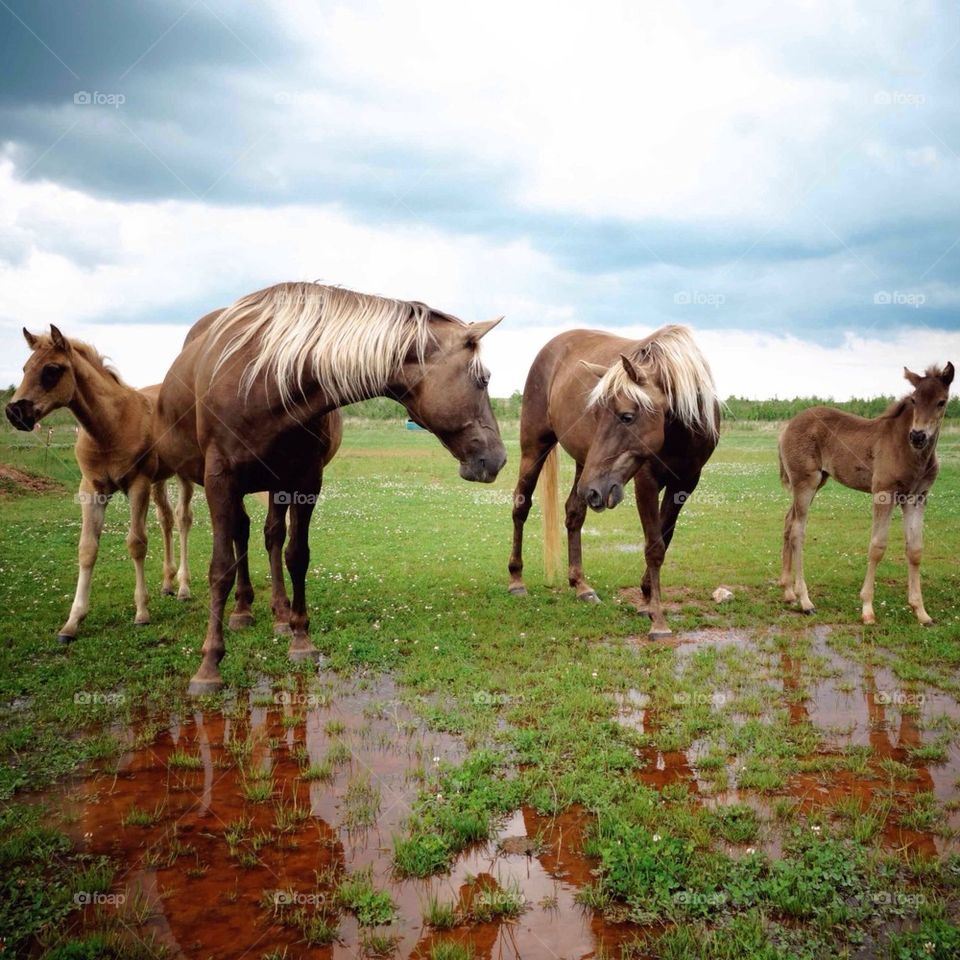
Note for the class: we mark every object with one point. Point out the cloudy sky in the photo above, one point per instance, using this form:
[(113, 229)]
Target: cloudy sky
[(782, 177)]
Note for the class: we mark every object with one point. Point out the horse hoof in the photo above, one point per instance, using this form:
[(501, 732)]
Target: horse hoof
[(204, 687), (169, 592), (520, 591), (660, 633), (65, 638), (808, 611), (240, 621), (928, 623), (141, 623), (281, 628), (589, 597)]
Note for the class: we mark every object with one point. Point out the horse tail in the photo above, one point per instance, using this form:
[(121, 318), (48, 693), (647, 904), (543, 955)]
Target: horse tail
[(784, 477), (550, 500)]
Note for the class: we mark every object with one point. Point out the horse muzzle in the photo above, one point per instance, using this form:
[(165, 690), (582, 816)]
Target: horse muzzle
[(22, 414), (484, 467), (919, 439), (603, 497)]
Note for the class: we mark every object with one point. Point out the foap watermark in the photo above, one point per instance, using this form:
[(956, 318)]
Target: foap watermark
[(898, 698), (897, 898), (899, 298), (288, 698), (294, 498), (95, 98), (86, 497), (297, 898), (898, 98), (685, 496), (87, 698), (85, 898), (900, 499), (485, 698), (699, 298), (700, 699), (693, 898)]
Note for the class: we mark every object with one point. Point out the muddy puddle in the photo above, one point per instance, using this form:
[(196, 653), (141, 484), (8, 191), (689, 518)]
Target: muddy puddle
[(222, 836), (852, 706)]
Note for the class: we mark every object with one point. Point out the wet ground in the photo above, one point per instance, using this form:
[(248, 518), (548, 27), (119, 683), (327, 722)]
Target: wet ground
[(228, 824)]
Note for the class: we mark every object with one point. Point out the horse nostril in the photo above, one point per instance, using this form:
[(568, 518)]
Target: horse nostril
[(594, 498)]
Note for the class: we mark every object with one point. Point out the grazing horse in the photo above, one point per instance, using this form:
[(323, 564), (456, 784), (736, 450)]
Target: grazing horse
[(245, 412), (623, 409), (114, 451), (893, 457)]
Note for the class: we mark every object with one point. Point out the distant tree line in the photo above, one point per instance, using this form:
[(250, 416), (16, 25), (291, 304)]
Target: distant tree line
[(508, 408)]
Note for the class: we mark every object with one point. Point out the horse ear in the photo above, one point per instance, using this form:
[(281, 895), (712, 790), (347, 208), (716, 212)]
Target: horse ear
[(632, 372), (59, 340), (594, 368), (946, 378), (30, 338), (477, 330), (912, 377)]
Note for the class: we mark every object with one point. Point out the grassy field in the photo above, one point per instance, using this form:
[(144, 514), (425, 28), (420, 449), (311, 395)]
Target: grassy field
[(729, 808)]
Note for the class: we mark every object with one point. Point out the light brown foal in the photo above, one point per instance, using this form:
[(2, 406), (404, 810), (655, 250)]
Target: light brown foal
[(893, 457)]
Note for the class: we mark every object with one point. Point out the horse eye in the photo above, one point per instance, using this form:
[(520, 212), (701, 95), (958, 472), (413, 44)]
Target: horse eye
[(942, 403), (50, 375), (626, 418)]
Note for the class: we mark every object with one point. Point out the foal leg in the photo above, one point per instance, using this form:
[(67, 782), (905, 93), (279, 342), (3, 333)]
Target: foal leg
[(139, 497), (165, 517), (184, 522), (576, 514), (803, 494), (93, 506), (648, 506), (223, 498), (274, 534), (242, 615), (298, 561), (531, 463), (882, 512), (786, 575), (913, 535)]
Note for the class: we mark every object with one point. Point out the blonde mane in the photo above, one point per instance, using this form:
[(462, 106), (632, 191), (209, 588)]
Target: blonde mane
[(670, 357), (86, 351), (351, 343)]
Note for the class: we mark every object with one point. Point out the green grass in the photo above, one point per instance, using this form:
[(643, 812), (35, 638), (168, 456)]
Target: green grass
[(408, 576)]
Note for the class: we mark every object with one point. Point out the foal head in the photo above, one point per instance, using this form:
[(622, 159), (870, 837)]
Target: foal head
[(630, 414), (48, 379), (929, 402), (445, 391)]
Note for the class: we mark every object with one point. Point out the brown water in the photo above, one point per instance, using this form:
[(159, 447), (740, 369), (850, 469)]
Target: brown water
[(207, 904), (212, 896)]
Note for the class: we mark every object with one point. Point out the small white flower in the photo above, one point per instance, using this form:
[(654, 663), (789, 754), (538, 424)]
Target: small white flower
[(656, 838)]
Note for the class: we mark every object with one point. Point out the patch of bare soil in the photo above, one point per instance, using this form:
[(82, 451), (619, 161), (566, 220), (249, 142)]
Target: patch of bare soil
[(14, 482)]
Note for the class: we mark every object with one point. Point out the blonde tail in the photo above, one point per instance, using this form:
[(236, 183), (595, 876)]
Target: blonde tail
[(550, 508)]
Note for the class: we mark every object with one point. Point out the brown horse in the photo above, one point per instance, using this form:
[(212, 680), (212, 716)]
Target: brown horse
[(114, 451), (893, 457), (644, 410), (245, 411)]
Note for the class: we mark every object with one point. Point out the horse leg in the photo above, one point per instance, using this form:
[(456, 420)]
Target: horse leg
[(576, 509), (670, 506), (274, 534), (223, 497), (913, 535), (165, 518), (184, 522), (297, 556), (139, 497), (93, 506), (803, 494), (786, 574), (531, 463), (882, 512), (242, 615), (648, 506)]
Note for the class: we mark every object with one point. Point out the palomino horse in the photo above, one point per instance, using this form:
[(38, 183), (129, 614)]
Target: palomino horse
[(623, 409), (244, 412), (893, 457), (114, 451)]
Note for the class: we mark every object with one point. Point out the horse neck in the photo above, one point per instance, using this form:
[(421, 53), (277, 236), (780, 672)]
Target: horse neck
[(100, 403)]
